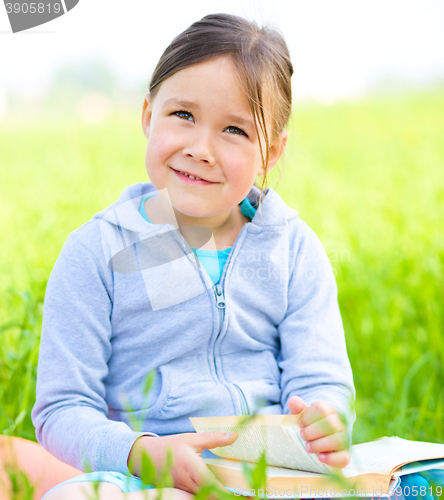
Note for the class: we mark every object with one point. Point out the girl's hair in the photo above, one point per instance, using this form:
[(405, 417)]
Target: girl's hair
[(261, 58)]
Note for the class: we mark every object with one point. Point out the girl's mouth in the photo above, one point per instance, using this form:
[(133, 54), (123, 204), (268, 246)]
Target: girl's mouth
[(196, 182)]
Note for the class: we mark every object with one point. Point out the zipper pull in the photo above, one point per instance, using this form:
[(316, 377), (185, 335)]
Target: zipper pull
[(220, 299)]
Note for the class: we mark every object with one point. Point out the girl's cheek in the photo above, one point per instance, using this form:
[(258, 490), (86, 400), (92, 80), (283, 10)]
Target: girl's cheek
[(161, 144)]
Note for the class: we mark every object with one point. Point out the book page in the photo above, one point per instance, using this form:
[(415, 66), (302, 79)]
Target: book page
[(278, 435), (385, 455), (272, 471), (282, 473)]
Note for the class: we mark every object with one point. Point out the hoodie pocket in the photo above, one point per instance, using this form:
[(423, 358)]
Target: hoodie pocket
[(141, 406), (245, 410), (194, 391), (164, 386)]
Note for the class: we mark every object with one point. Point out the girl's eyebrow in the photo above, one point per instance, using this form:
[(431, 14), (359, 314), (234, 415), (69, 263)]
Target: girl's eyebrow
[(240, 121), (173, 102)]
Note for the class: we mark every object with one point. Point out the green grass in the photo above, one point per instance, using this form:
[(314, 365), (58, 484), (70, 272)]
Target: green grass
[(367, 176)]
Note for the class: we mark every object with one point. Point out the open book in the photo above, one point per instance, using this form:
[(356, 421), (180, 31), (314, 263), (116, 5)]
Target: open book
[(374, 469)]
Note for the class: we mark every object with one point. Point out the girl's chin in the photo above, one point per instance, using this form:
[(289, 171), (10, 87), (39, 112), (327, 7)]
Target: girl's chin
[(184, 210), (194, 215)]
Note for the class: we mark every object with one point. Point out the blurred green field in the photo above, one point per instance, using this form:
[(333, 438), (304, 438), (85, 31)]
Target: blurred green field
[(367, 176)]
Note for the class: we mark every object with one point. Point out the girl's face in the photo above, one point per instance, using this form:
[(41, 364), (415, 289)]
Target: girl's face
[(200, 123)]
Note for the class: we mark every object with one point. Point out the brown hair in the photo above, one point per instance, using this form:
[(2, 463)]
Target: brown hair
[(261, 58)]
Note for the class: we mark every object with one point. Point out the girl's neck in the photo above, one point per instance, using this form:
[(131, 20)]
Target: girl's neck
[(224, 231), (218, 233)]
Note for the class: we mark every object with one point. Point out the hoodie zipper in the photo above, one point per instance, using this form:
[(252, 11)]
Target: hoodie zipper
[(220, 304)]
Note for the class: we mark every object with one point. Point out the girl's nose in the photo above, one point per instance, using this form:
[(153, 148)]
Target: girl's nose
[(200, 149)]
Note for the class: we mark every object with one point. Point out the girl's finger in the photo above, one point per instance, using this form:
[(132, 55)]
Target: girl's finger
[(324, 427), (190, 479), (296, 405), (200, 474), (209, 440), (338, 459), (334, 442), (317, 411)]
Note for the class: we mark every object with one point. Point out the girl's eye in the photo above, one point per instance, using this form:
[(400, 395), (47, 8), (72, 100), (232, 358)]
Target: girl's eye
[(184, 115), (235, 130)]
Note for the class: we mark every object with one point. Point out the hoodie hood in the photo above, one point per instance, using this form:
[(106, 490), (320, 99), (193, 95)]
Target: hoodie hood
[(125, 211)]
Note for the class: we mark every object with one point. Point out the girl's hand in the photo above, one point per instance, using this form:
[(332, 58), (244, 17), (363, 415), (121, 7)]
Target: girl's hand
[(189, 470), (323, 430)]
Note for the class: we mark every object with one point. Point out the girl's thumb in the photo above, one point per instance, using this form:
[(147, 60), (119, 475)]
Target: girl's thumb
[(210, 440), (296, 405)]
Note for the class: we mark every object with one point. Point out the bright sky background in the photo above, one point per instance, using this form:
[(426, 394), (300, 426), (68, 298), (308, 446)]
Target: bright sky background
[(338, 47)]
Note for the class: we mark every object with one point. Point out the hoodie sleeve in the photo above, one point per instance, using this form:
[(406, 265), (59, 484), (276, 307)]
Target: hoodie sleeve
[(70, 413), (313, 356)]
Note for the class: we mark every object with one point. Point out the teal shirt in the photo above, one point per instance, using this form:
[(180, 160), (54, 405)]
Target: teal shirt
[(212, 261)]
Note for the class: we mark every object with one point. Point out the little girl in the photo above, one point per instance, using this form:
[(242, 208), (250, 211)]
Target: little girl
[(200, 276)]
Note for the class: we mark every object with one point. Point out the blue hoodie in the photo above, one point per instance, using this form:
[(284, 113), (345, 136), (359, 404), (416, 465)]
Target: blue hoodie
[(127, 297)]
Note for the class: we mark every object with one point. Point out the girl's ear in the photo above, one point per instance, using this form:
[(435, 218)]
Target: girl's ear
[(277, 149), (146, 115)]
